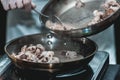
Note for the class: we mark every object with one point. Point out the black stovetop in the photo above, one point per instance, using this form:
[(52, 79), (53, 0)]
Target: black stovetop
[(93, 71)]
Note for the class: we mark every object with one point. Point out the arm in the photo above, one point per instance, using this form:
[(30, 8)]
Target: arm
[(13, 4)]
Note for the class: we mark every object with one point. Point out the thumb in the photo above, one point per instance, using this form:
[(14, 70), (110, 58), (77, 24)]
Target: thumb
[(33, 5)]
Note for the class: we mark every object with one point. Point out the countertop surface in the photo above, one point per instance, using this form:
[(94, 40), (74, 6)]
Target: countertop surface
[(112, 73)]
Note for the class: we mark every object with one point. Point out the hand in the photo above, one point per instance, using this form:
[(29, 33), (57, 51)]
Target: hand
[(13, 4)]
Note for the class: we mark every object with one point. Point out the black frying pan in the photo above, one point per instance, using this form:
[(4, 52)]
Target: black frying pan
[(66, 11), (50, 41)]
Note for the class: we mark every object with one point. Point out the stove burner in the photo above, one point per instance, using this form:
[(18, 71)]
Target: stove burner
[(80, 73)]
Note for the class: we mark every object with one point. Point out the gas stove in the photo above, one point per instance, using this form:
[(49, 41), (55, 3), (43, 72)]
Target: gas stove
[(93, 71)]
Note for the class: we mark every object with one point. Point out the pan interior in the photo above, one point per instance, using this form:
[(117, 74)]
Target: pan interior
[(83, 46), (70, 15), (80, 17)]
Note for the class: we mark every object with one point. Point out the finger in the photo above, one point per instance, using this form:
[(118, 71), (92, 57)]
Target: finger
[(5, 4), (27, 5), (19, 3), (12, 4), (25, 2)]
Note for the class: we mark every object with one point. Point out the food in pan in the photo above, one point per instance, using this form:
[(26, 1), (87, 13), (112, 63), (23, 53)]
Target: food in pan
[(98, 16), (110, 6), (57, 26), (38, 54)]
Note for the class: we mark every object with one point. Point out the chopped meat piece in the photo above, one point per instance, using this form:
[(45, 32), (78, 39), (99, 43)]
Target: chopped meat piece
[(23, 49), (71, 54), (97, 13), (55, 60), (108, 12), (114, 8), (38, 51), (40, 47), (98, 16), (32, 49), (79, 4), (23, 56)]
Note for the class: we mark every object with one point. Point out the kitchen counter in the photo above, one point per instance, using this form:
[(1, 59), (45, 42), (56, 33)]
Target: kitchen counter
[(112, 73)]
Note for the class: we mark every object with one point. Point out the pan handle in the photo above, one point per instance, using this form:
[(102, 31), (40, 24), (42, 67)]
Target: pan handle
[(53, 18), (40, 13)]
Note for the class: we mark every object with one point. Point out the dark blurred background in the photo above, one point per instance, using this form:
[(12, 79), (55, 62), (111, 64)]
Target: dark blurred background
[(3, 15), (117, 38), (2, 29)]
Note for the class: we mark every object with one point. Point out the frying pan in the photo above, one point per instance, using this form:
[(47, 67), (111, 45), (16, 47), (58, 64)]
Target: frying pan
[(66, 11), (54, 42)]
